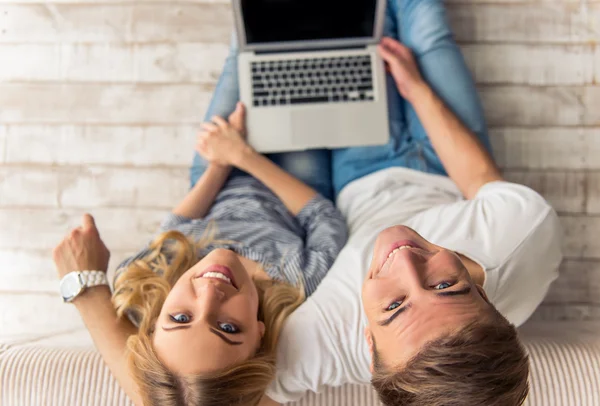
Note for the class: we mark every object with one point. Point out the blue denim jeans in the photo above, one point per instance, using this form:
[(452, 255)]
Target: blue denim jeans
[(422, 26), (313, 167)]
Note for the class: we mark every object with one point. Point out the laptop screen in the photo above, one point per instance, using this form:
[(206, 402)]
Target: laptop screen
[(268, 21)]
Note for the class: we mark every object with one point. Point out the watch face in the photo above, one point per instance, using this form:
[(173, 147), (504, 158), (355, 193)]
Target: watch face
[(71, 286)]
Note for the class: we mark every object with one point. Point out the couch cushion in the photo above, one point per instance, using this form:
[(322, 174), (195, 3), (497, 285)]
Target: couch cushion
[(565, 372)]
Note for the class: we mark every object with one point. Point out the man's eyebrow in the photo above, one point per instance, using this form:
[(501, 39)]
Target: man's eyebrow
[(227, 340), (461, 292), (393, 316), (176, 328), (464, 291)]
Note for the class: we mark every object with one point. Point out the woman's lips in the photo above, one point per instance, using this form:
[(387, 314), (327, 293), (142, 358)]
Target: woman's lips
[(222, 269)]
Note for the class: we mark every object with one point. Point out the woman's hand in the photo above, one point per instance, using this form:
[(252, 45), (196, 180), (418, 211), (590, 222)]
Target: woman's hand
[(81, 250), (402, 65), (223, 142)]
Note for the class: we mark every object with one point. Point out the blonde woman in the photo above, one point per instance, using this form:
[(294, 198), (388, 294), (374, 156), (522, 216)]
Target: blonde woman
[(210, 294)]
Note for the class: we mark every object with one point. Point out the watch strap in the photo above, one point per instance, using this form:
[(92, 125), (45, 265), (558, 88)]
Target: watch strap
[(93, 278)]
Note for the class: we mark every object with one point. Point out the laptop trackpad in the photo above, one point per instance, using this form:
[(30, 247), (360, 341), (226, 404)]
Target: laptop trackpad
[(314, 128)]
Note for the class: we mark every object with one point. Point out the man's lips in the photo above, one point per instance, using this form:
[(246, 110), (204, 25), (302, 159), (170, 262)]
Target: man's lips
[(392, 247)]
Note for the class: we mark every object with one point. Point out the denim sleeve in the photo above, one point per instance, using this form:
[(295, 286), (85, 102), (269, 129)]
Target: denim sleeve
[(325, 235)]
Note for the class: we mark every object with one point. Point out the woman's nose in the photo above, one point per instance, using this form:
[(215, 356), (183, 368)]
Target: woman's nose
[(209, 291)]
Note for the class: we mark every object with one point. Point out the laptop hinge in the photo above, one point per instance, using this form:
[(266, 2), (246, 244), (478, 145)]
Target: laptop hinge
[(300, 51)]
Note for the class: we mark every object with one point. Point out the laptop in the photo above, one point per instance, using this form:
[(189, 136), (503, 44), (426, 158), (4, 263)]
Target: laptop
[(309, 73)]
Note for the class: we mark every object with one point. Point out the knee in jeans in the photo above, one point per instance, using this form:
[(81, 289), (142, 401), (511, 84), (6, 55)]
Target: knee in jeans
[(425, 26), (303, 166)]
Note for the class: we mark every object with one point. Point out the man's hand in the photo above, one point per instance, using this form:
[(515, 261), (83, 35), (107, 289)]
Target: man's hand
[(81, 250), (223, 142), (403, 67)]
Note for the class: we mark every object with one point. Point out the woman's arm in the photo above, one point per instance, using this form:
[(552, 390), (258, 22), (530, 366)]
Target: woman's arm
[(294, 193), (326, 234), (223, 143), (83, 249), (465, 159), (110, 335), (199, 199)]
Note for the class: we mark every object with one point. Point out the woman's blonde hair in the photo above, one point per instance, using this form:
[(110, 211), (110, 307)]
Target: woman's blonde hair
[(140, 292)]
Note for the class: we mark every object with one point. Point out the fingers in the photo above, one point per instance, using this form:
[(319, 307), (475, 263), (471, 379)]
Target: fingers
[(88, 222), (75, 232), (240, 109), (201, 143), (386, 54), (238, 118), (221, 122), (406, 54), (210, 127), (239, 113), (392, 44), (396, 48)]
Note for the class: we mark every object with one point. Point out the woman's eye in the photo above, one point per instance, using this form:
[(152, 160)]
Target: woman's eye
[(229, 328), (180, 318), (443, 285), (393, 306)]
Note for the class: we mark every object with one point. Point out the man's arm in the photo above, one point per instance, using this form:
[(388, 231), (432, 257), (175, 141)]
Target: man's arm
[(465, 159), (81, 250)]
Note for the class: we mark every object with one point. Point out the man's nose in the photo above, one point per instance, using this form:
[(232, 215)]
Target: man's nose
[(413, 269)]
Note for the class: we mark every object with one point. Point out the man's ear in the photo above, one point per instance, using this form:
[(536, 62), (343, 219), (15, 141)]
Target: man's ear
[(482, 293), (369, 338)]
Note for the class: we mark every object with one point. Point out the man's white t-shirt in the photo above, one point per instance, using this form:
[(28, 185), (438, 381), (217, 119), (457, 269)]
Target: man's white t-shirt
[(508, 229)]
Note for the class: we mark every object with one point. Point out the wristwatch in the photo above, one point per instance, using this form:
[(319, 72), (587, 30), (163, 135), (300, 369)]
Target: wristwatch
[(73, 284)]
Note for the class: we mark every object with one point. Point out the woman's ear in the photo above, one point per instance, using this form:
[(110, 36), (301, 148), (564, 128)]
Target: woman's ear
[(261, 329)]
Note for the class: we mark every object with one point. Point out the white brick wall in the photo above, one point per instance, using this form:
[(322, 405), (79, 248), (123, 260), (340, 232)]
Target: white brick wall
[(99, 102)]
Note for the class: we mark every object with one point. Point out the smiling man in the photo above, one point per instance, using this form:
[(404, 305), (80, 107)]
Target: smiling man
[(447, 255), (439, 339)]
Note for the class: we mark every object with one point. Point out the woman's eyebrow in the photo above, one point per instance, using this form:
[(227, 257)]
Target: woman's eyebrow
[(227, 340), (176, 328)]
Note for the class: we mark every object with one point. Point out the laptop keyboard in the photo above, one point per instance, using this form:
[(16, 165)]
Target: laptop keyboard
[(312, 80)]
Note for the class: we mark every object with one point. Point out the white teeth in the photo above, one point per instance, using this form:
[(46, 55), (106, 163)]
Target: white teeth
[(398, 249), (217, 275)]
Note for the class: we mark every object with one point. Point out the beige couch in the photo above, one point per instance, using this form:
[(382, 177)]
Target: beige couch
[(565, 372)]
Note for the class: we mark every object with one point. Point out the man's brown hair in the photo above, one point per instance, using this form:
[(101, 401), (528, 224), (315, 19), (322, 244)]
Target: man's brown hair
[(483, 364)]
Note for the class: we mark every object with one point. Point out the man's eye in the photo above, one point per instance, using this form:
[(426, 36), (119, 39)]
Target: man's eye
[(393, 306), (229, 328), (180, 318), (443, 285)]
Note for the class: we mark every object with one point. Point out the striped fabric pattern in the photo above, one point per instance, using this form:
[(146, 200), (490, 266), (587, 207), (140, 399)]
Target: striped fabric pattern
[(258, 226), (565, 372)]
